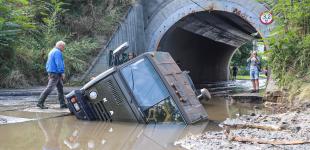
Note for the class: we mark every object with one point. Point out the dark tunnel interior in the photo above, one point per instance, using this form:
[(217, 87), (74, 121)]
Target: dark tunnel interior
[(204, 42)]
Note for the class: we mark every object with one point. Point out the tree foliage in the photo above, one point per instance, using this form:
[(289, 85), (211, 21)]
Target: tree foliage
[(242, 54), (290, 41), (15, 19), (30, 29)]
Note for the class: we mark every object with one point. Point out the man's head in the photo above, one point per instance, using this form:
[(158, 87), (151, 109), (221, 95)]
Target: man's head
[(130, 55), (60, 45)]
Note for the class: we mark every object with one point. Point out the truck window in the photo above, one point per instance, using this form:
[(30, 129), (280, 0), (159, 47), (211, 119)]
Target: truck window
[(150, 92), (145, 83)]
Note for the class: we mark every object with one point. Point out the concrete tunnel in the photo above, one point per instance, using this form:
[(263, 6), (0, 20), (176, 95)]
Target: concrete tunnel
[(203, 35), (204, 43)]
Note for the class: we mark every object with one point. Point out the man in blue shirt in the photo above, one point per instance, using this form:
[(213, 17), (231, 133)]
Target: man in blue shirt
[(55, 68)]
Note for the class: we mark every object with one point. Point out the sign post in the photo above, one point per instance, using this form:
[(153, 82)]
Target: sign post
[(266, 17)]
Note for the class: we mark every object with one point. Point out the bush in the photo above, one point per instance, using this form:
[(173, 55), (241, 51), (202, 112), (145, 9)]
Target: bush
[(28, 31), (15, 79), (78, 54), (243, 71)]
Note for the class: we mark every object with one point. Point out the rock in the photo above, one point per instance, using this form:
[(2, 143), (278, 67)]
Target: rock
[(270, 98), (296, 129), (277, 93), (288, 130), (3, 121)]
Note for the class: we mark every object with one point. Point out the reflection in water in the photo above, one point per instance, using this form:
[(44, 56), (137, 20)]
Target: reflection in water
[(67, 133), (51, 129), (220, 108), (71, 141), (99, 135)]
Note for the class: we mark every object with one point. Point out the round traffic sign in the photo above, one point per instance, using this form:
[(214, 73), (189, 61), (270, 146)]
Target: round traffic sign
[(266, 17)]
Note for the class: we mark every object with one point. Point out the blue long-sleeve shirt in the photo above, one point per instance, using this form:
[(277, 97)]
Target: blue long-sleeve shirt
[(55, 62)]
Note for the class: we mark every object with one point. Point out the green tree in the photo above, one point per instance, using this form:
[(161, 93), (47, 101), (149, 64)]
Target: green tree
[(29, 30), (290, 41), (15, 20), (242, 54)]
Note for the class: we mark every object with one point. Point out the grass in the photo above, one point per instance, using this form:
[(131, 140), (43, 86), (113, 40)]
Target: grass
[(247, 77), (304, 92)]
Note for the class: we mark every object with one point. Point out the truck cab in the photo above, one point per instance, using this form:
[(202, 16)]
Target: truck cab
[(148, 88)]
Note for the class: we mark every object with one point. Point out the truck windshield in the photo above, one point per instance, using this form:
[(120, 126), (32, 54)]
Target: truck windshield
[(150, 92), (145, 83)]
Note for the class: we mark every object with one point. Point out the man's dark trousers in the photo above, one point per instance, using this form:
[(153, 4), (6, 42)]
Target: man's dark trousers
[(54, 80)]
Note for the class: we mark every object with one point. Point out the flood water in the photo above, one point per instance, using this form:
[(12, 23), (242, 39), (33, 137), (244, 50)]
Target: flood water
[(66, 132)]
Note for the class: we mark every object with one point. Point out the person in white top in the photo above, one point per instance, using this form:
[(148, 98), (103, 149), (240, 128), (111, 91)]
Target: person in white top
[(254, 70)]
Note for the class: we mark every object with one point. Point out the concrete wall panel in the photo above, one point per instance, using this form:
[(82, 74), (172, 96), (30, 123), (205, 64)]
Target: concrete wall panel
[(131, 30)]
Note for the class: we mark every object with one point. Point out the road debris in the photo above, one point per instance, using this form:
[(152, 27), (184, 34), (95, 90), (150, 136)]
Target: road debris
[(288, 130)]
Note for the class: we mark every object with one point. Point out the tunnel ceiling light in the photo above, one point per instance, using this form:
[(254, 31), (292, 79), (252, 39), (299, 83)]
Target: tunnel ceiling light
[(255, 35)]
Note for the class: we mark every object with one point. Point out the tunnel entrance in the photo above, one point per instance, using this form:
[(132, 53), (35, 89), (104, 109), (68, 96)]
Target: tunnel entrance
[(204, 43)]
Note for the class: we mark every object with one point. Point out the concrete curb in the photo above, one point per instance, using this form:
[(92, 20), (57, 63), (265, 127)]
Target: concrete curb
[(36, 91)]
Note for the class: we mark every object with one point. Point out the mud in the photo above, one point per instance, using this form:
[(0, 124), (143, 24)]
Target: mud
[(17, 109), (288, 130), (217, 140), (69, 133), (52, 129)]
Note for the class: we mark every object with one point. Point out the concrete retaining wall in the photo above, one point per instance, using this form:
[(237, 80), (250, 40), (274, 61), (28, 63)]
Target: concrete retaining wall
[(131, 30)]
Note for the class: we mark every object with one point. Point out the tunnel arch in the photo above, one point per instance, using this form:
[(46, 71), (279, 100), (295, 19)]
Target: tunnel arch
[(182, 27)]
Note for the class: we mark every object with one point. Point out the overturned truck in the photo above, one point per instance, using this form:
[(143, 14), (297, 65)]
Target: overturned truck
[(148, 88)]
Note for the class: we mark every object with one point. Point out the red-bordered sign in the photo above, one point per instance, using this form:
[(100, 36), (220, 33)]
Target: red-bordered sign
[(266, 17)]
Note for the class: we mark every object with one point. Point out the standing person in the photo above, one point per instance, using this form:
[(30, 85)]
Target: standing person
[(131, 55), (127, 57), (254, 70), (55, 68), (235, 71)]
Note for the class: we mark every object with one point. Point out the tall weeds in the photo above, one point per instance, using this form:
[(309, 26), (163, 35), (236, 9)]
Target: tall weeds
[(290, 41)]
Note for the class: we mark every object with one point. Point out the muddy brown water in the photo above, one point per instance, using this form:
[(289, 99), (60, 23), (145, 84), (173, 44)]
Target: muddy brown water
[(69, 133)]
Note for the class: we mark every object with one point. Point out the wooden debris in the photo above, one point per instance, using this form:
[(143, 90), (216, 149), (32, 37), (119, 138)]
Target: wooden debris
[(273, 142), (257, 126)]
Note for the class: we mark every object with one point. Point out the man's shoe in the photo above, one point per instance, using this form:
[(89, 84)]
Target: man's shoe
[(63, 106), (42, 106)]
